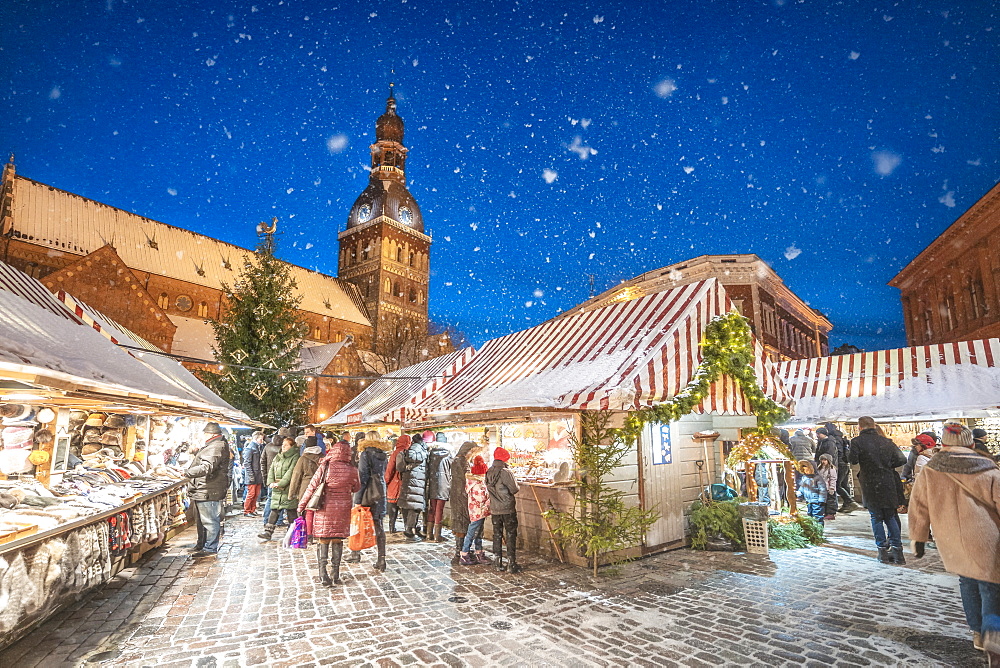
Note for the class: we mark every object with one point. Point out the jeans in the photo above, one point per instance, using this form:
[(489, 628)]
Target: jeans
[(474, 533), (890, 520), (209, 519), (817, 511), (267, 510), (981, 601), (291, 513)]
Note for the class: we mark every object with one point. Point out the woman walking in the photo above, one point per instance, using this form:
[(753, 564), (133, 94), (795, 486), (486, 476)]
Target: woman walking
[(302, 475), (332, 521), (279, 478), (372, 460), (394, 480), (459, 499)]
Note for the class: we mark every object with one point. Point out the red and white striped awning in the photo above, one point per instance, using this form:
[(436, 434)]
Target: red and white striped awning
[(919, 382), (31, 290), (389, 398), (622, 356)]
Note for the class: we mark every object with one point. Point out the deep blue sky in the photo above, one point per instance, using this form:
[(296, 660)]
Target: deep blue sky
[(548, 140)]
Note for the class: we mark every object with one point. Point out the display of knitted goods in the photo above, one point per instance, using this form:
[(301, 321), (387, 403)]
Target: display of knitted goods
[(17, 442), (119, 533)]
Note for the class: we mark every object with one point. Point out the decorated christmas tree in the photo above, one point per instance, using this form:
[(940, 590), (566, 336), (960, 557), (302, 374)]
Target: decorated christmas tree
[(258, 339)]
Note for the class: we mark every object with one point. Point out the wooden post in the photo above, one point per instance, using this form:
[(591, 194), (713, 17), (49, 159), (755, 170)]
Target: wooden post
[(790, 488)]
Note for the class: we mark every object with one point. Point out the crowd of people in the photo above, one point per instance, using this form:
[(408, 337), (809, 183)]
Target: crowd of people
[(949, 483), (322, 477)]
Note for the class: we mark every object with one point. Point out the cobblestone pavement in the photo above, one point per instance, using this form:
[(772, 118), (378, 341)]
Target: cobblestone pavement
[(257, 605)]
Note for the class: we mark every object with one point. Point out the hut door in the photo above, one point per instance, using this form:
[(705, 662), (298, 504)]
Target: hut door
[(661, 477)]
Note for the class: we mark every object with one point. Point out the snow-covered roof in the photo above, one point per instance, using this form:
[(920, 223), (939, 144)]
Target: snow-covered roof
[(921, 382), (620, 356), (388, 398), (62, 221)]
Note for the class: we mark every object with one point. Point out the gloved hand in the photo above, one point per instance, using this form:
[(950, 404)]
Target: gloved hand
[(917, 548)]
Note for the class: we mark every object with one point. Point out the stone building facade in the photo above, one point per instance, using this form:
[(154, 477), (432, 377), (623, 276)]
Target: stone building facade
[(786, 326), (949, 291)]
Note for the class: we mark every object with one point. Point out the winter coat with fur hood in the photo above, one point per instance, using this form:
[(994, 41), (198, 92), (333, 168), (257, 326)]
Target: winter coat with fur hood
[(373, 457), (459, 499), (878, 458), (209, 471), (333, 520), (439, 473), (281, 472), (413, 462), (958, 495), (305, 467)]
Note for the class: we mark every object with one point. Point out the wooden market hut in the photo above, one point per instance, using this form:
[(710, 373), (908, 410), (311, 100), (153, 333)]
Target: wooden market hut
[(623, 357)]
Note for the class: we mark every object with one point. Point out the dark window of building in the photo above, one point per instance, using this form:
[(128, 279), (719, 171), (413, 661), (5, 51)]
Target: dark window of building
[(413, 295), (399, 254), (396, 290), (928, 325), (413, 257), (977, 307), (354, 256), (366, 252), (948, 313)]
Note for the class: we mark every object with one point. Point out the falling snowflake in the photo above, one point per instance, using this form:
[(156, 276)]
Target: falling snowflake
[(171, 191), (886, 162), (337, 143), (855, 55), (550, 175), (665, 88), (792, 252)]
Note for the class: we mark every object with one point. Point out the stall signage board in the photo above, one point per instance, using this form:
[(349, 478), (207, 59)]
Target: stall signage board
[(354, 418), (662, 452)]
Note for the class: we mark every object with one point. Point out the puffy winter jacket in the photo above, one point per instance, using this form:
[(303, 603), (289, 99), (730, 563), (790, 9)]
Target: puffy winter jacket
[(281, 472), (305, 467), (414, 476), (502, 487), (802, 446), (459, 498), (372, 462), (813, 489), (251, 464), (333, 520), (209, 471), (268, 453), (439, 473)]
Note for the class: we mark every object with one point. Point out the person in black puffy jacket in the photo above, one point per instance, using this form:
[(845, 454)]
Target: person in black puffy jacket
[(438, 488), (209, 483), (412, 464)]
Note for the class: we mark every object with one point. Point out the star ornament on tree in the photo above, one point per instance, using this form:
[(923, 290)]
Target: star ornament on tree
[(259, 390)]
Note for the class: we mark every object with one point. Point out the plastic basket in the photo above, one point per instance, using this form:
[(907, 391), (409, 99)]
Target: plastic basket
[(755, 535)]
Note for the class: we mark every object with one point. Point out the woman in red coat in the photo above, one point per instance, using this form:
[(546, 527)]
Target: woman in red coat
[(332, 521), (393, 480)]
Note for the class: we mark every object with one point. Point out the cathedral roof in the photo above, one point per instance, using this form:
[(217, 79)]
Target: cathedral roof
[(386, 197), (64, 222)]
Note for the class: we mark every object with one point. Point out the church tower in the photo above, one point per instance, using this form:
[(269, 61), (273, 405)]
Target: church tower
[(384, 250)]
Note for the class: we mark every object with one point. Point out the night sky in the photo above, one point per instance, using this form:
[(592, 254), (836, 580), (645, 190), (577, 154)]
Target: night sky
[(548, 140)]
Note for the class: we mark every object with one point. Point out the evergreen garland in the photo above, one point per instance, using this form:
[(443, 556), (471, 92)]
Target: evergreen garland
[(261, 327), (727, 348)]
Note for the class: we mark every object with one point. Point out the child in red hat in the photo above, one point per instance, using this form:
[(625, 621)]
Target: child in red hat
[(503, 490)]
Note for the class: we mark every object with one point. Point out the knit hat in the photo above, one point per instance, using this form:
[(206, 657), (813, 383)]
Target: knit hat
[(478, 466), (95, 420), (978, 433), (428, 436), (956, 433), (309, 442), (214, 428), (501, 454), (416, 438), (403, 441), (923, 441), (823, 430), (826, 458), (114, 422), (441, 437)]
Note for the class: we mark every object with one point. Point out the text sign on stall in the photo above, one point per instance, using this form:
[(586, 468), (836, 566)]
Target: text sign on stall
[(354, 418), (662, 453)]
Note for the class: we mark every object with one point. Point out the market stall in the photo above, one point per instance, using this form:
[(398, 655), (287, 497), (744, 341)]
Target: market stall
[(622, 358), (88, 415)]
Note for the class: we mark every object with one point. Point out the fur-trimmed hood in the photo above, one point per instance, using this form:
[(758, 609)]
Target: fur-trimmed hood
[(959, 459), (366, 443)]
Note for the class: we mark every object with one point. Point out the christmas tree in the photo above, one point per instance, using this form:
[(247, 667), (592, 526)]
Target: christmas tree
[(258, 339)]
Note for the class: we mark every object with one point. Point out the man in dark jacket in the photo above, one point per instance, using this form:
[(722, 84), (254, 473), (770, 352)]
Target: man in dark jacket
[(251, 473), (503, 489), (843, 460), (825, 445), (269, 452), (878, 458), (209, 483), (413, 471)]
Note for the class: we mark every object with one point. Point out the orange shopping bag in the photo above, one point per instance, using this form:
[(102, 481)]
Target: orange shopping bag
[(362, 529)]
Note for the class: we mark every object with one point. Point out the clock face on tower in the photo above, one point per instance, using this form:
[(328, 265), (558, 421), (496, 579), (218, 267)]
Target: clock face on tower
[(364, 212), (405, 216)]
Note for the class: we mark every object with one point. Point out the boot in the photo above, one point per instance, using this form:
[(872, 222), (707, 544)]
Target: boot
[(323, 556), (438, 538), (896, 555), (512, 566), (380, 546), (267, 533), (336, 555), (883, 554), (353, 557), (459, 539), (498, 562), (393, 514), (420, 534)]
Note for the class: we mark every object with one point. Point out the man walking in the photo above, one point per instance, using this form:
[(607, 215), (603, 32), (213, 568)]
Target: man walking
[(881, 487), (209, 483), (251, 473)]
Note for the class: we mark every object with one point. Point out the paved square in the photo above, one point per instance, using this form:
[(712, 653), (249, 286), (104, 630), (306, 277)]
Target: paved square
[(256, 604)]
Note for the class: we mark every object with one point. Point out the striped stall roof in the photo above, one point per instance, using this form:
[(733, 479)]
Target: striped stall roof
[(388, 398), (621, 356), (29, 289), (939, 380)]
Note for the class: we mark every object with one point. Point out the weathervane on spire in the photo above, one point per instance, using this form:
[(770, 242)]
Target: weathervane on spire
[(265, 230)]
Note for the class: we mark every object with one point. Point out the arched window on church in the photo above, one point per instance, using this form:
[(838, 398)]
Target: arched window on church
[(366, 251), (354, 255), (388, 287), (413, 258), (203, 310), (399, 254), (396, 290), (163, 301), (413, 295), (318, 333), (977, 306)]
